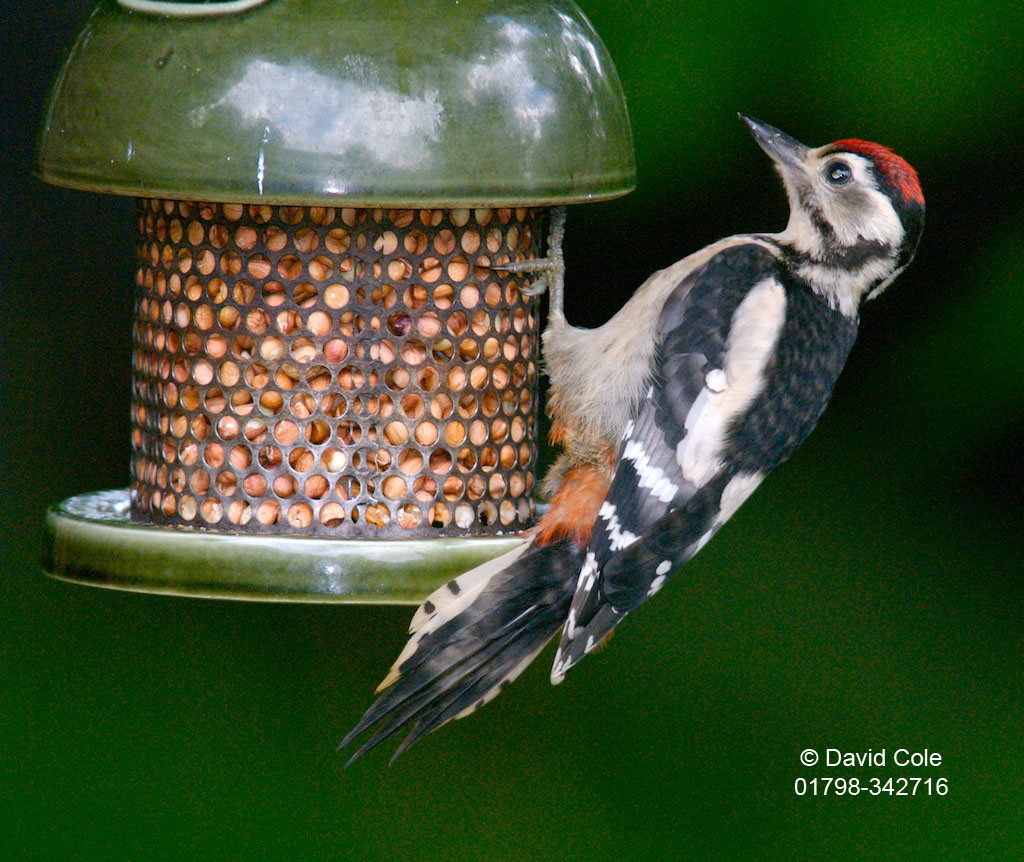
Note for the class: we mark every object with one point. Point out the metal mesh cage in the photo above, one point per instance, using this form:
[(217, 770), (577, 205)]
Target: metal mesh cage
[(346, 372)]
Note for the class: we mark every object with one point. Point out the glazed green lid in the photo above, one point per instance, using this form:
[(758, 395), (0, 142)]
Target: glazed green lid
[(390, 102)]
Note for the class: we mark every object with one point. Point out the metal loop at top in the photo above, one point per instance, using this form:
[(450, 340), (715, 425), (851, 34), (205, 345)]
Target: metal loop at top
[(189, 10)]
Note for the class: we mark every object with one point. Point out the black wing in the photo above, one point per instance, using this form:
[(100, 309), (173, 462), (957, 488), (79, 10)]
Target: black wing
[(650, 495)]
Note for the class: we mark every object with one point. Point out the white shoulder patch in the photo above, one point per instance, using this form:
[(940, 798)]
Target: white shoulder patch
[(753, 333), (735, 494)]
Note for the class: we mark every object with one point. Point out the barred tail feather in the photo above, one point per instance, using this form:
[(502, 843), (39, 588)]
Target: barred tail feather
[(442, 604), (470, 639)]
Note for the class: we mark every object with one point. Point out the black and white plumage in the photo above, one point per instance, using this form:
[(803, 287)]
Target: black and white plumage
[(471, 638), (671, 415), (744, 373)]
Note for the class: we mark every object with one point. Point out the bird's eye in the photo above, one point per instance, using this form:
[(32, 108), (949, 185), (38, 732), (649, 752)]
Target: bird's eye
[(838, 173)]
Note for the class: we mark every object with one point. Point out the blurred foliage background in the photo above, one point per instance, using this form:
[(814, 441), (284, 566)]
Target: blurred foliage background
[(869, 596)]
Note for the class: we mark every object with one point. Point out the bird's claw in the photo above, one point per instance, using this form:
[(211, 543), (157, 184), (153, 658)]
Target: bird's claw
[(540, 264), (551, 268), (535, 289)]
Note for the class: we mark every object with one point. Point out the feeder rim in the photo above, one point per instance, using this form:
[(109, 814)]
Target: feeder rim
[(358, 201), (90, 540)]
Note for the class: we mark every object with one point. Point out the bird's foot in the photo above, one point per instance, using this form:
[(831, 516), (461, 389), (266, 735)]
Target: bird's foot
[(551, 269)]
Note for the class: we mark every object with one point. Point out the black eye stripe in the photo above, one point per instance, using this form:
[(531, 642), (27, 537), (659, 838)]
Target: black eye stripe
[(838, 172)]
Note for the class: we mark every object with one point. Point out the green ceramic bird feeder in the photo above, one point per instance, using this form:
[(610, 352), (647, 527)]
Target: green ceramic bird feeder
[(334, 388)]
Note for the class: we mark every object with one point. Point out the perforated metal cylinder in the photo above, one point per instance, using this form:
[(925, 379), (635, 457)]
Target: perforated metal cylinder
[(346, 372)]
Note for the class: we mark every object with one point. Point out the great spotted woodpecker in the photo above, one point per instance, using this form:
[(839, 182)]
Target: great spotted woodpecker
[(670, 416)]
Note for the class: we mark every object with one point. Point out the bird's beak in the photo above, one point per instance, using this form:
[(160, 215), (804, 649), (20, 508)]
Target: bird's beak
[(784, 150)]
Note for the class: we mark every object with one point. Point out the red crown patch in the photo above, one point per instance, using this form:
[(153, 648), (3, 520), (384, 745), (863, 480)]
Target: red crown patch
[(895, 169)]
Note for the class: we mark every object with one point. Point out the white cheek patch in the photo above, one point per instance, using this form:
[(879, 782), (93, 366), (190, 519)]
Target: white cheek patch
[(860, 211), (875, 220), (728, 391)]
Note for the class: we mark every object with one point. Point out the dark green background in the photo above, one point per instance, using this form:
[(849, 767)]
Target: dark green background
[(869, 596)]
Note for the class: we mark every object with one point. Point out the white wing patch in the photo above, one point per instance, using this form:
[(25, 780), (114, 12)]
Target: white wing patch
[(650, 476), (558, 668), (588, 575), (728, 391), (618, 536)]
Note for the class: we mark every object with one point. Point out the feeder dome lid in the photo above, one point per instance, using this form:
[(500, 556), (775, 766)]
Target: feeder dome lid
[(392, 103)]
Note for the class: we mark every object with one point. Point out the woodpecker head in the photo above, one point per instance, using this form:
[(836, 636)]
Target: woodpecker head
[(856, 213)]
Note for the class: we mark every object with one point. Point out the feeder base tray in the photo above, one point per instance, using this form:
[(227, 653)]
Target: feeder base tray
[(92, 540)]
